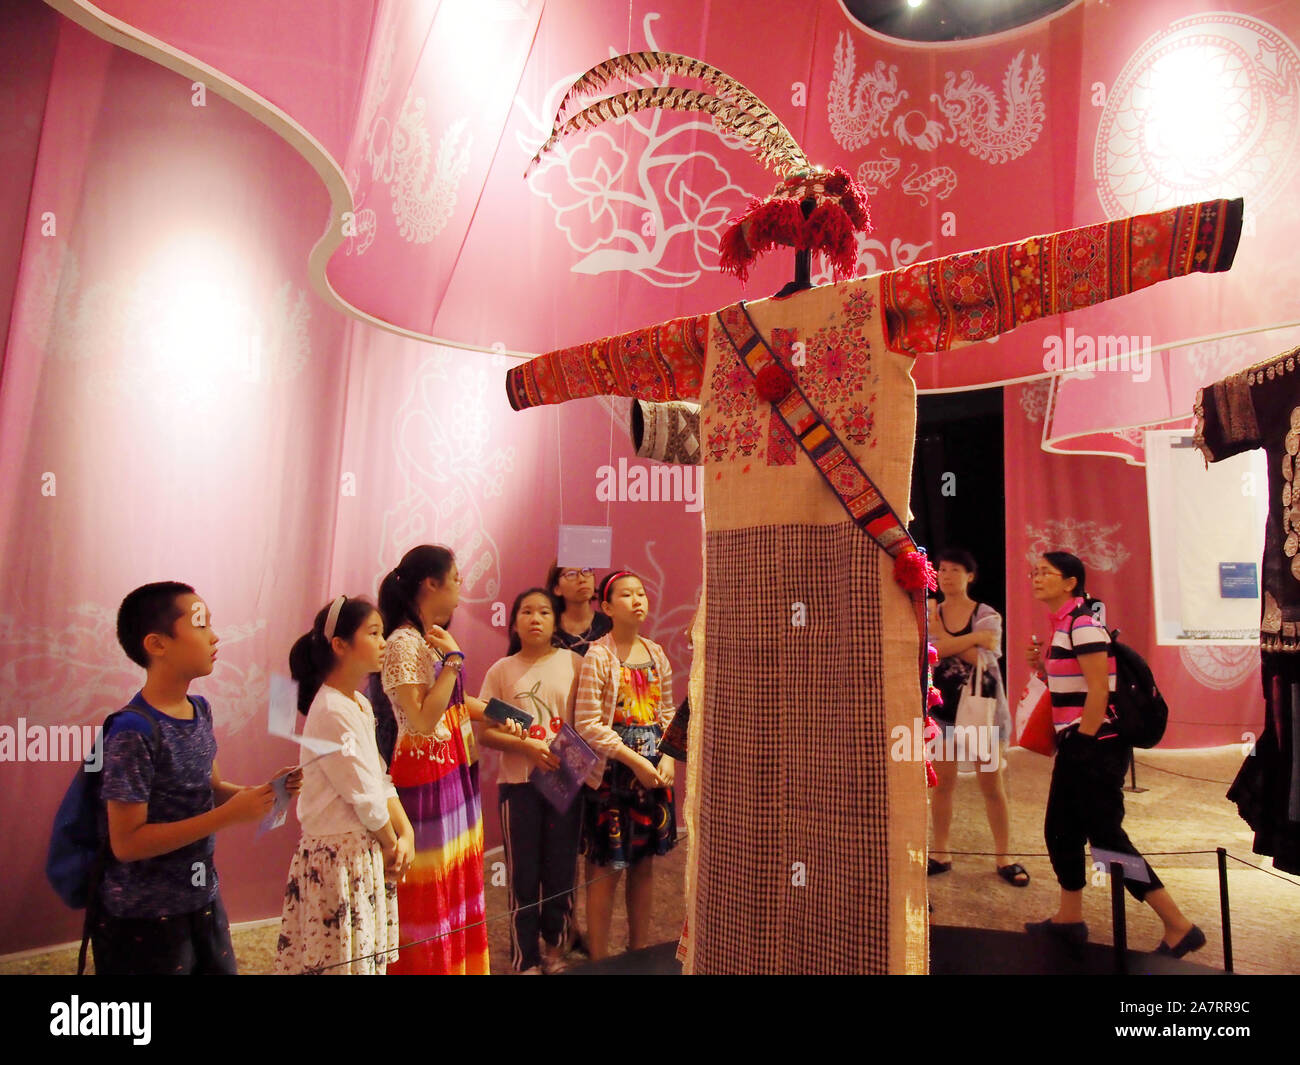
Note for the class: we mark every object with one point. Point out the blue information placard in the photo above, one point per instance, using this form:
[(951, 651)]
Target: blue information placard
[(1238, 580)]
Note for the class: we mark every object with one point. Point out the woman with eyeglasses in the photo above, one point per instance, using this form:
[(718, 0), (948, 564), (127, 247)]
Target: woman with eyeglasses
[(578, 624), (1085, 803)]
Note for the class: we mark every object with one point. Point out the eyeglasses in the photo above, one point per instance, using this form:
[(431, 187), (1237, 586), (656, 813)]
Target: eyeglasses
[(574, 574), (1045, 573)]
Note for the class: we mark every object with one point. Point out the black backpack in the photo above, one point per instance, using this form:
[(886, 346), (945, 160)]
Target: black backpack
[(1141, 712), (78, 854)]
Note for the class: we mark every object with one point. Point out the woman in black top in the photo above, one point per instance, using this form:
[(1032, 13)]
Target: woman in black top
[(578, 623), (964, 632)]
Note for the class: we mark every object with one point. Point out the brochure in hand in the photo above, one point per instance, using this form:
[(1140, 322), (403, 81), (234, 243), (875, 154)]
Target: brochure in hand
[(561, 786)]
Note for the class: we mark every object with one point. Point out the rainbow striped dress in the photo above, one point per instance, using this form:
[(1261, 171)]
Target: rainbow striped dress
[(440, 905)]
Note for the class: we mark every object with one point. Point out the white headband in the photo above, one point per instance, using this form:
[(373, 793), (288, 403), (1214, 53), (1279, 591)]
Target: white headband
[(332, 618)]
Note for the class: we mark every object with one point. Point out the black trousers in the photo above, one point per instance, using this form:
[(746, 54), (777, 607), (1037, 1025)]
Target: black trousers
[(185, 944), (1085, 804), (541, 848)]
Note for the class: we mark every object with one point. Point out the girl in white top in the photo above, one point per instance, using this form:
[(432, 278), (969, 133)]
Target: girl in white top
[(340, 902), (541, 843)]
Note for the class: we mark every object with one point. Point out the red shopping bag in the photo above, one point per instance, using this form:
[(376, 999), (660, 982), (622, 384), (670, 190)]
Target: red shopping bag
[(1034, 730)]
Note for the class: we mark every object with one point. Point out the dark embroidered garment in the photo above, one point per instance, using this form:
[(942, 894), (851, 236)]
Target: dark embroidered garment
[(1260, 407)]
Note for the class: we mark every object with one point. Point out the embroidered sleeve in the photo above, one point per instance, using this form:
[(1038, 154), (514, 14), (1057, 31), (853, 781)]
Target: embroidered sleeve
[(974, 295), (660, 362), (1225, 418), (402, 662)]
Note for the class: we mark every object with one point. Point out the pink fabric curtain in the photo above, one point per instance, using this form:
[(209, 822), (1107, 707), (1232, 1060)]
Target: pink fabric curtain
[(1096, 508), (181, 395), (177, 403)]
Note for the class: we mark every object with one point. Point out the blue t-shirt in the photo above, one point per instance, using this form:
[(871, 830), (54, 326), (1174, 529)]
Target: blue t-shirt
[(178, 785)]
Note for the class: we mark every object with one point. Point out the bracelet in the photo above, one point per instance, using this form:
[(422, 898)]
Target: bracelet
[(453, 663), (454, 654)]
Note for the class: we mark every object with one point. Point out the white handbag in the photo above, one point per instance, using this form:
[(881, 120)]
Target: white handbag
[(975, 708)]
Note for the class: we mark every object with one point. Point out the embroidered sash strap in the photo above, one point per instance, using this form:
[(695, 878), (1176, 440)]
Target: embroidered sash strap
[(855, 490)]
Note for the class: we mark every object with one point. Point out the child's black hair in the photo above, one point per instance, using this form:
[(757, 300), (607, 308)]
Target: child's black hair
[(602, 593), (311, 658), (516, 644), (150, 608), (399, 590)]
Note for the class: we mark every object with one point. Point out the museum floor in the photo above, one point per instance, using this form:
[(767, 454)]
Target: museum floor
[(1183, 810)]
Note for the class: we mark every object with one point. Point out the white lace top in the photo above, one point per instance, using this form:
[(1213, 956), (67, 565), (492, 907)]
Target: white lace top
[(409, 660)]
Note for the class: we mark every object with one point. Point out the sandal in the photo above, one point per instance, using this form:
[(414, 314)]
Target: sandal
[(1013, 874), (933, 868)]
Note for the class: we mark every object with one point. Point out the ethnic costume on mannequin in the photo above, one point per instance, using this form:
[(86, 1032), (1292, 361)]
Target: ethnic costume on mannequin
[(808, 840), (1260, 407)]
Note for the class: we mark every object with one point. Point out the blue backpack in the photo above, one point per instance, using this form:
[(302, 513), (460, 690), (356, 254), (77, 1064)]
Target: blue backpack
[(77, 855)]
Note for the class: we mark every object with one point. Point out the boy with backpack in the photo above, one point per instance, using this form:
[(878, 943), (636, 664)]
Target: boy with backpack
[(157, 908)]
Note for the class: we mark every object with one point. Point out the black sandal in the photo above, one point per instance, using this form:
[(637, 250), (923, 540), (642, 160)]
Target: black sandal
[(933, 868), (1012, 874)]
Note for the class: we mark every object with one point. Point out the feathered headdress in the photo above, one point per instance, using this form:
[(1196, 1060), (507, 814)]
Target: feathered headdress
[(811, 209)]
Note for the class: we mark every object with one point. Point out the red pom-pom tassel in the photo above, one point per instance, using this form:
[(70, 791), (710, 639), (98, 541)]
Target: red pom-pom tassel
[(932, 654), (772, 383), (933, 698), (913, 572)]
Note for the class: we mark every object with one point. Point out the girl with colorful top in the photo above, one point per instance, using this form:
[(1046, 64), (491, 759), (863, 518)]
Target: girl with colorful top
[(340, 902), (578, 624), (541, 844), (1085, 801), (624, 704), (434, 767)]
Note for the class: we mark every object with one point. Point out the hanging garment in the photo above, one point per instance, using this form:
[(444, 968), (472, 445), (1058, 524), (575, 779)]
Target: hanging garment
[(808, 826), (1260, 407)]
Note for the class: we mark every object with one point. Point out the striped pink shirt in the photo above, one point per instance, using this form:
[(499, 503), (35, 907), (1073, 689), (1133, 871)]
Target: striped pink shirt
[(1075, 632)]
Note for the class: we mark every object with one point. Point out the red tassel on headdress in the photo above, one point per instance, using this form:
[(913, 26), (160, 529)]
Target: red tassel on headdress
[(932, 654), (933, 698), (828, 230), (734, 255), (913, 572), (931, 777)]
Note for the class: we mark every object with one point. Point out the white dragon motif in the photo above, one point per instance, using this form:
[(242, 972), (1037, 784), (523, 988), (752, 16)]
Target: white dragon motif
[(858, 113), (423, 203), (975, 115)]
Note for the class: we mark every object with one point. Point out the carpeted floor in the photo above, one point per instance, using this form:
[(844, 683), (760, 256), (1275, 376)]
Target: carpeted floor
[(1184, 810)]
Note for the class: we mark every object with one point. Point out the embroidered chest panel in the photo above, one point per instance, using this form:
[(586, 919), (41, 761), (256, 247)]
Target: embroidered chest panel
[(832, 365)]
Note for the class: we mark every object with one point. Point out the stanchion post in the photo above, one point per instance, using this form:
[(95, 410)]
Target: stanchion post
[(1224, 912), (1133, 775), (1119, 926)]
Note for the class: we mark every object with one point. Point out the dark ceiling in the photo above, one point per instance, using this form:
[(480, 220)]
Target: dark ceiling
[(948, 20)]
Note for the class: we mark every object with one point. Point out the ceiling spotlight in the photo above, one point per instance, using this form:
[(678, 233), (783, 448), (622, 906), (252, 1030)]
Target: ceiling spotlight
[(915, 3)]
